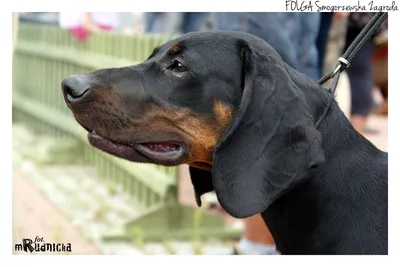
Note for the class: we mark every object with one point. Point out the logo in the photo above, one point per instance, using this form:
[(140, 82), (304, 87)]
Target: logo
[(39, 245)]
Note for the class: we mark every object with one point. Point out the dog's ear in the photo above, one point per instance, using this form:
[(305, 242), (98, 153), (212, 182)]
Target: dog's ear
[(271, 144), (202, 182)]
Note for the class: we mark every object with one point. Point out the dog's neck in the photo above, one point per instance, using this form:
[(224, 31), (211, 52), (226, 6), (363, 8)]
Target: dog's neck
[(315, 93), (299, 219)]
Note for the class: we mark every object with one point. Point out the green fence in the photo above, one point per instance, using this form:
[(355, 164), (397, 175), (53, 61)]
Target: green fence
[(44, 56)]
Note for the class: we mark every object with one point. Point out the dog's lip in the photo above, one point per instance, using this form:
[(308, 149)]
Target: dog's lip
[(173, 155), (128, 150)]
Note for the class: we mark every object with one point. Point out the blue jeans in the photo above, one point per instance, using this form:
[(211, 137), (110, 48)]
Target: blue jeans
[(323, 35), (163, 22), (149, 19), (293, 35), (193, 21), (360, 75)]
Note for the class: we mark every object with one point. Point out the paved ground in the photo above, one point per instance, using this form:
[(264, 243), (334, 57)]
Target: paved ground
[(69, 203), (38, 217)]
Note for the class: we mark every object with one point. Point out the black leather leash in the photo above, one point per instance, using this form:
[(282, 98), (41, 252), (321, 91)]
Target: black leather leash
[(344, 61)]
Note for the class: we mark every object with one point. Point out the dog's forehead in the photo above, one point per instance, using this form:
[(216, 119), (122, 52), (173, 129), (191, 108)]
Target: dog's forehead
[(202, 40)]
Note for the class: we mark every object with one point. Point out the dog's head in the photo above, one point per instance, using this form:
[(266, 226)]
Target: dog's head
[(223, 102)]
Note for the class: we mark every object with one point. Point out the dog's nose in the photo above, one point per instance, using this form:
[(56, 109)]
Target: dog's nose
[(75, 88)]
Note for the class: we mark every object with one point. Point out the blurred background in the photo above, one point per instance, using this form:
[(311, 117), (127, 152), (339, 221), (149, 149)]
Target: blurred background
[(67, 192)]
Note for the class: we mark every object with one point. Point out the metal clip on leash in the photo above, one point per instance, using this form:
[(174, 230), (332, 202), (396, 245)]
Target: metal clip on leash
[(344, 61), (340, 66)]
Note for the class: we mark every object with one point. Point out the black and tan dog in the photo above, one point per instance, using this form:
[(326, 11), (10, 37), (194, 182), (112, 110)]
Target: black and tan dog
[(227, 105)]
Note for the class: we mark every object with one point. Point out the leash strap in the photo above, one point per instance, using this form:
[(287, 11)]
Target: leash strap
[(344, 61)]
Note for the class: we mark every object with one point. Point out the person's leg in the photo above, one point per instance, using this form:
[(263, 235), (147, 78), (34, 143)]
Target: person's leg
[(361, 82), (172, 23), (322, 39), (166, 22), (256, 238), (305, 33), (383, 108), (380, 76), (149, 21), (194, 21)]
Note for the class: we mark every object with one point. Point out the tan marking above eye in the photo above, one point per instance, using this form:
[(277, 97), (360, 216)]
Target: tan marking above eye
[(174, 49)]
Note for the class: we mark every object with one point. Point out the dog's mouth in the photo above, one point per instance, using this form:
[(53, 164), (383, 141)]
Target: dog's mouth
[(162, 152)]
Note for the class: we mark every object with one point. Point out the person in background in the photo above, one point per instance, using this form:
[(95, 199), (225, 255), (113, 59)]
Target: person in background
[(327, 18), (194, 21), (332, 32), (360, 72), (380, 72), (81, 24), (138, 22), (175, 22), (293, 35), (322, 39), (162, 22)]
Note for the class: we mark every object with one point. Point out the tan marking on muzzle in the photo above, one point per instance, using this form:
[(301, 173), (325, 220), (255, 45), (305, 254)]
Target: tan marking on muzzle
[(202, 133)]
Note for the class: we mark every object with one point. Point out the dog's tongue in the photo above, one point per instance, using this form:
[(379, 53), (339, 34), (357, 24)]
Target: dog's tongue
[(161, 147)]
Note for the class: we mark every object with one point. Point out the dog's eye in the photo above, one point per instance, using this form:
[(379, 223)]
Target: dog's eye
[(177, 67)]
